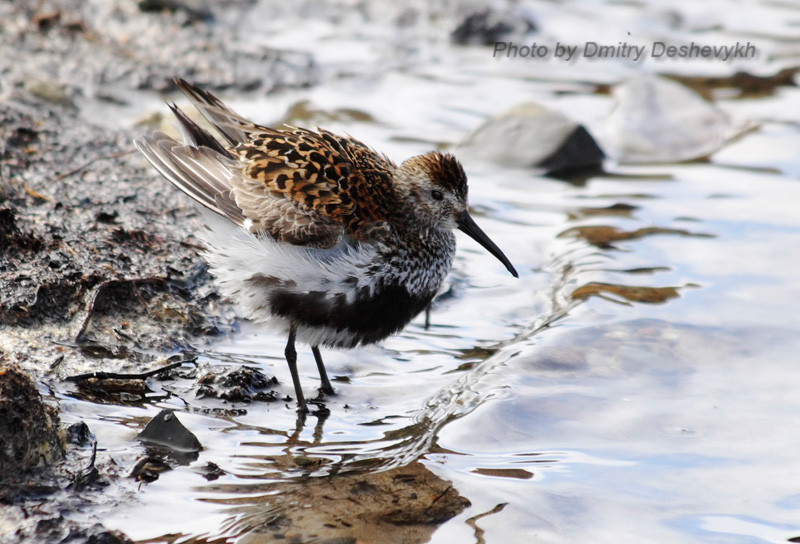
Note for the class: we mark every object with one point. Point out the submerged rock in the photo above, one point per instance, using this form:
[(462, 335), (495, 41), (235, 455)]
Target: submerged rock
[(530, 135), (400, 505)]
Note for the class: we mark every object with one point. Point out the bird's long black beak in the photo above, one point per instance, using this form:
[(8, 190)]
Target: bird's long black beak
[(468, 225)]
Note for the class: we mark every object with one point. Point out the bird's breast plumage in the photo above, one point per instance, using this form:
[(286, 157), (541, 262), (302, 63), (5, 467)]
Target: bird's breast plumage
[(354, 293)]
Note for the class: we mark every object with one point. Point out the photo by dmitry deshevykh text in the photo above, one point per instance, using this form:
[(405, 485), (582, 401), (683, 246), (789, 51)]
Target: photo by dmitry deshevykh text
[(624, 50)]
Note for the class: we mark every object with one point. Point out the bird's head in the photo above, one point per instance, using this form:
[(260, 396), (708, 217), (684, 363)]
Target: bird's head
[(436, 187)]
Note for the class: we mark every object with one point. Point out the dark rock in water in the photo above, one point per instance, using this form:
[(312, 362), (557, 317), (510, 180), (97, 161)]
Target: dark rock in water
[(530, 136), (168, 443), (167, 431), (79, 434), (28, 427), (488, 26), (579, 151), (211, 471)]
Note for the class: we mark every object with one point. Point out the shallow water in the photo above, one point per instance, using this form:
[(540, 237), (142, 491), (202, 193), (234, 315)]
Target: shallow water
[(594, 412)]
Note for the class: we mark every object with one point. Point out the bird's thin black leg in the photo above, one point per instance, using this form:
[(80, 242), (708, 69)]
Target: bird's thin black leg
[(291, 358), (327, 388)]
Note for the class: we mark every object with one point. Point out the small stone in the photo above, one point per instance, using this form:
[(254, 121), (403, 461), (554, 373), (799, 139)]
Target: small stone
[(166, 430), (50, 91)]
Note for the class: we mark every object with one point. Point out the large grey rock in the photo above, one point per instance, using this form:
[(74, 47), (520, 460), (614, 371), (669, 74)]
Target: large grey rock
[(529, 135), (660, 120)]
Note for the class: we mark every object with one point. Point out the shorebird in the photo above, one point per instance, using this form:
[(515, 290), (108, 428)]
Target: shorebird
[(314, 234)]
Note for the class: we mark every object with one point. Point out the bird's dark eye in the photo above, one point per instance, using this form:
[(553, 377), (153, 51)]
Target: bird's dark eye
[(437, 195)]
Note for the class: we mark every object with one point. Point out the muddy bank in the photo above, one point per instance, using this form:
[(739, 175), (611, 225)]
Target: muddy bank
[(97, 271), (98, 259)]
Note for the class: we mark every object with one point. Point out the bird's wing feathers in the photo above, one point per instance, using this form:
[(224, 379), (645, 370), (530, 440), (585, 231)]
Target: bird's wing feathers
[(199, 172), (300, 186), (232, 127)]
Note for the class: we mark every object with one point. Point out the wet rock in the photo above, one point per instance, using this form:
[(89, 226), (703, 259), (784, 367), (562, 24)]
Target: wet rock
[(34, 463), (28, 428), (168, 444), (79, 434), (89, 477), (149, 469), (529, 135), (578, 153), (131, 389), (211, 471), (242, 384), (659, 120), (153, 303), (120, 392), (487, 26), (166, 430)]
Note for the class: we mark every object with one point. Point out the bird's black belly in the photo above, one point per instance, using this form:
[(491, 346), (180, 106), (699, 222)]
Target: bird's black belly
[(368, 318)]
